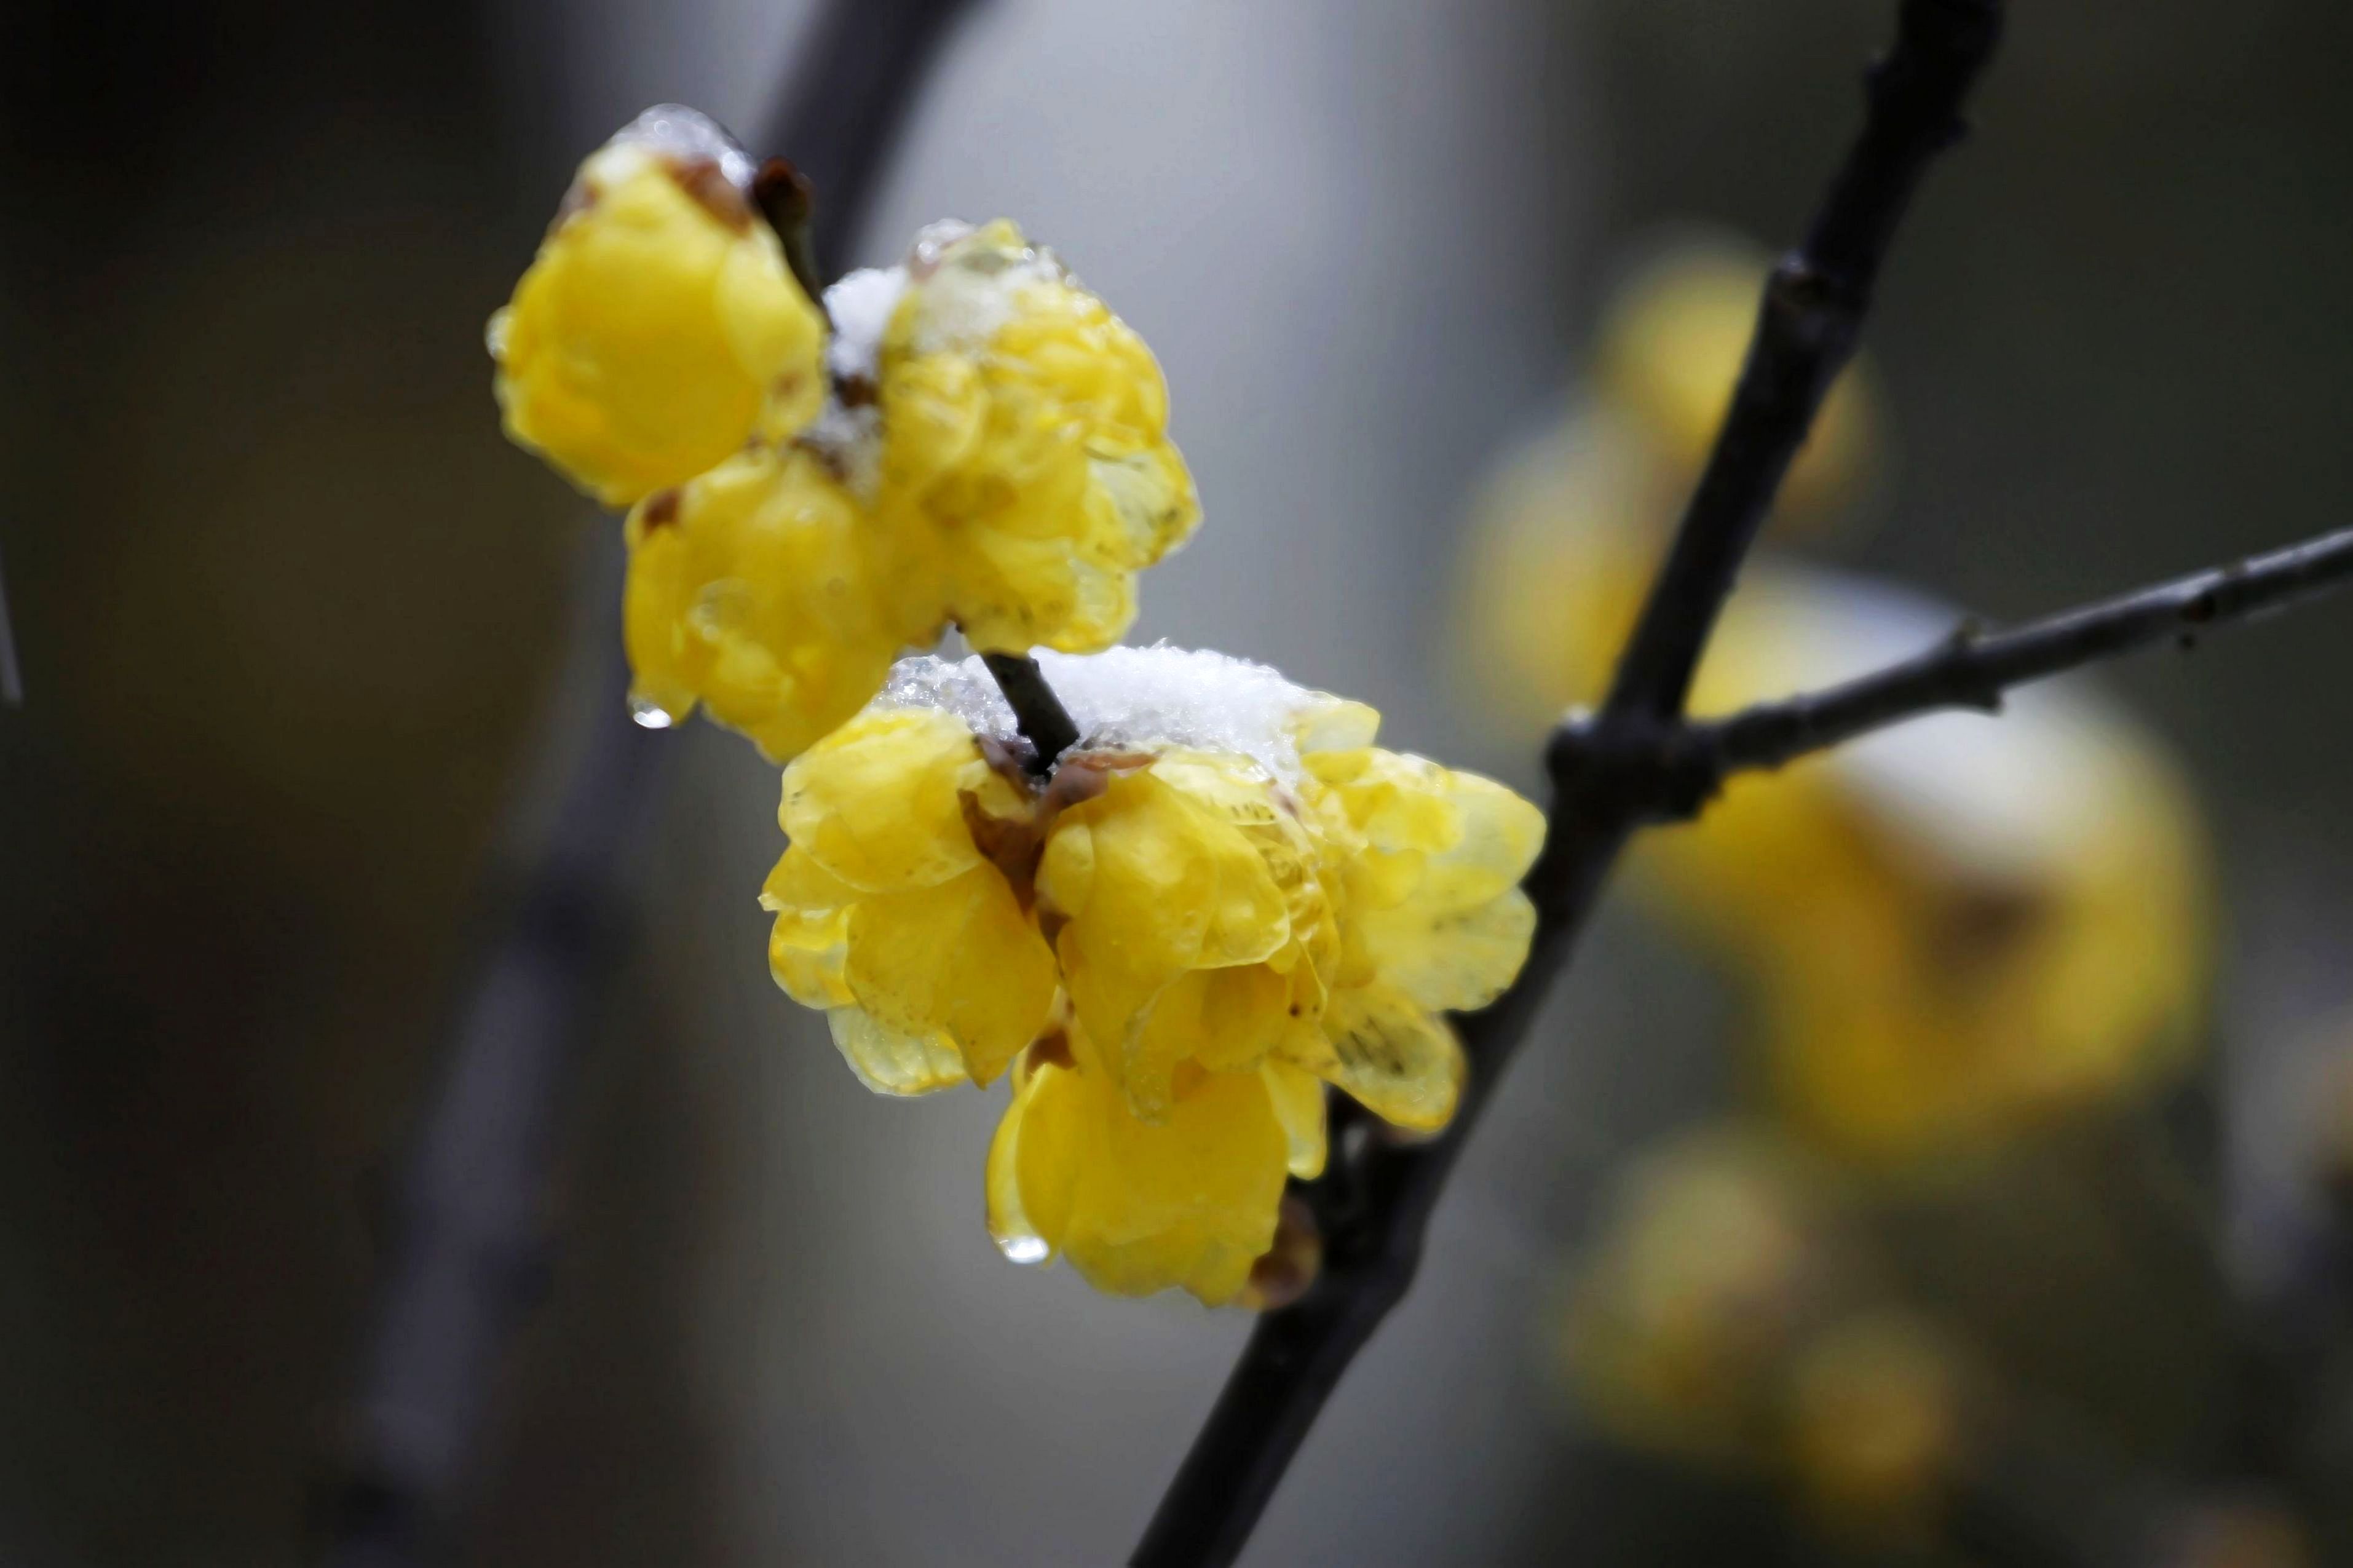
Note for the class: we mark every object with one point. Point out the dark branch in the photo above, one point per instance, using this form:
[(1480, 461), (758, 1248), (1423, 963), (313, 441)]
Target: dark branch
[(1806, 332), (471, 1244), (1373, 1214), (1038, 713), (1971, 668)]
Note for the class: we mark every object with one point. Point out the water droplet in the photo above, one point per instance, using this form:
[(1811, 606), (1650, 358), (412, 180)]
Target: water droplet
[(649, 716), (1024, 1249)]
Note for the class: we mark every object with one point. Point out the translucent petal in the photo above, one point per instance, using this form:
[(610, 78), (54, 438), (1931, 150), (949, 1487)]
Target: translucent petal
[(1138, 1208), (1455, 959), (1387, 1052), (1171, 887), (1298, 1098), (809, 944), (891, 1063), (876, 803), (1500, 835), (960, 959), (1224, 1018), (1398, 801)]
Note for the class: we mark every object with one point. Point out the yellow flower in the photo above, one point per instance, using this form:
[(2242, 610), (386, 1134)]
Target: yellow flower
[(1730, 1314), (660, 327), (889, 915), (1953, 927), (757, 590), (1718, 1256), (1222, 899), (984, 442), (1025, 427), (1673, 340), (1950, 928)]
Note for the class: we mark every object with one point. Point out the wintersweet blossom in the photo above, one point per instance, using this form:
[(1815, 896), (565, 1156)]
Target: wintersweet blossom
[(658, 328), (1730, 1311), (970, 438), (1221, 899), (994, 453), (1953, 926)]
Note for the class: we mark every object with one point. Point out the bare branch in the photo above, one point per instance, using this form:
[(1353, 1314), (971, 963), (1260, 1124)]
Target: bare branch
[(1375, 1212), (1972, 668), (1806, 332), (1044, 723)]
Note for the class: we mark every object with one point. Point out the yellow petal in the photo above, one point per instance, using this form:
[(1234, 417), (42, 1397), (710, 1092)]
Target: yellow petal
[(891, 1063), (1298, 1096), (1451, 959), (876, 803), (1391, 1055), (960, 959), (1138, 1208), (1396, 801), (1501, 836), (810, 946), (1225, 1019)]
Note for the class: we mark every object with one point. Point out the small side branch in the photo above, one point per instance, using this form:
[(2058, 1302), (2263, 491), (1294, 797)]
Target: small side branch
[(1972, 669), (1044, 723)]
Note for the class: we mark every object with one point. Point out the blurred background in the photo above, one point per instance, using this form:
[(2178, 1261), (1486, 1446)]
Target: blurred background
[(1927, 1161)]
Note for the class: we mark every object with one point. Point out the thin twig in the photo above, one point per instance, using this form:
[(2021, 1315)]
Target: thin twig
[(1039, 714), (471, 1244), (1972, 668), (1807, 325)]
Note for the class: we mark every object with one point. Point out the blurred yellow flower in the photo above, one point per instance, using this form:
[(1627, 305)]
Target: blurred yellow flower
[(1672, 343), (1223, 898), (1874, 1413), (1728, 1314), (1951, 926), (659, 328), (1718, 1255)]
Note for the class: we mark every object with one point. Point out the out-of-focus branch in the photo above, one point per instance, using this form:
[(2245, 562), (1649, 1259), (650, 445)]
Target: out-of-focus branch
[(1375, 1212), (469, 1244)]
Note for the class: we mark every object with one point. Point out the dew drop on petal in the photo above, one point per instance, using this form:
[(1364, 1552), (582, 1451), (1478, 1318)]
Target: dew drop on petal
[(1024, 1249), (649, 716)]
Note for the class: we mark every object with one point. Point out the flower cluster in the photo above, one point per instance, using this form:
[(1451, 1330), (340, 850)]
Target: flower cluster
[(1174, 935), (976, 440), (1223, 898), (995, 453)]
